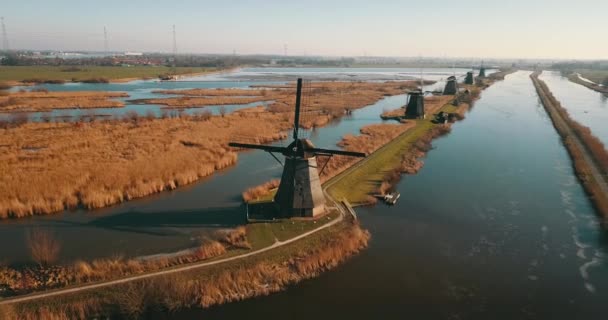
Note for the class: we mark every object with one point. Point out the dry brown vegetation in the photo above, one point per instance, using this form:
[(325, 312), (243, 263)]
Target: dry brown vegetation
[(42, 100), (205, 289), (47, 167), (410, 161), (256, 193), (46, 276), (322, 100), (372, 137), (592, 145), (43, 246)]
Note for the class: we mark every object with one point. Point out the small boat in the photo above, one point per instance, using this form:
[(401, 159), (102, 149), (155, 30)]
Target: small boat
[(392, 198)]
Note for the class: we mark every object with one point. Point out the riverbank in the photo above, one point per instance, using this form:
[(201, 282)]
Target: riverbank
[(588, 154), (43, 100), (24, 75), (389, 155), (381, 170), (263, 271), (575, 77)]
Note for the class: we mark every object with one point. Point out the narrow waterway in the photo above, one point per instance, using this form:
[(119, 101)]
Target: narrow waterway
[(586, 106), (495, 226)]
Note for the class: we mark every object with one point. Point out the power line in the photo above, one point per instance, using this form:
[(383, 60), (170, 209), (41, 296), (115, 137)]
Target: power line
[(5, 46), (105, 40), (174, 43)]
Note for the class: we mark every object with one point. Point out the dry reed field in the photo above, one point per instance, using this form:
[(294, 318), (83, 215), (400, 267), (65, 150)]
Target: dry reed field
[(45, 101), (48, 167), (325, 99), (97, 164)]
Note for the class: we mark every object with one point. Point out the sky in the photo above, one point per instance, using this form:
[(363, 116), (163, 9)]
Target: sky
[(553, 29)]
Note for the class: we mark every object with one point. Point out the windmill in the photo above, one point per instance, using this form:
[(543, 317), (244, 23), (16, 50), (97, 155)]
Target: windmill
[(414, 107), (482, 70), (300, 193)]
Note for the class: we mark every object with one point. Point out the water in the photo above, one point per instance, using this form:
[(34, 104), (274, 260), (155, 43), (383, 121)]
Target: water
[(495, 226), (144, 89), (586, 106)]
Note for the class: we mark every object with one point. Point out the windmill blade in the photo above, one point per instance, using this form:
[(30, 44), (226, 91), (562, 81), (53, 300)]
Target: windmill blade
[(257, 146), (296, 121), (336, 152)]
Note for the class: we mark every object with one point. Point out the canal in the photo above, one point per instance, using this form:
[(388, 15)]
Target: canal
[(495, 226), (586, 106)]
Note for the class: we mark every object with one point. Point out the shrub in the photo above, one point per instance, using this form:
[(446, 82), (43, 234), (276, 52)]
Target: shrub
[(43, 246)]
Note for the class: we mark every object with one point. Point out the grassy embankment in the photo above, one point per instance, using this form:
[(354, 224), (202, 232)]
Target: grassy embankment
[(47, 274), (394, 149), (261, 274), (595, 76), (16, 75), (572, 132), (382, 169)]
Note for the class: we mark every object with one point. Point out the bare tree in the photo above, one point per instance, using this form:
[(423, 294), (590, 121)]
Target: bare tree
[(222, 111), (43, 245)]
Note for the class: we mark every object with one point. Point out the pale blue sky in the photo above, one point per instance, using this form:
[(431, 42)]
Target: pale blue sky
[(461, 28)]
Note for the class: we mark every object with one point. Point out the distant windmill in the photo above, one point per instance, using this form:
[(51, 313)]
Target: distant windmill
[(451, 85), (482, 70), (414, 107), (300, 193)]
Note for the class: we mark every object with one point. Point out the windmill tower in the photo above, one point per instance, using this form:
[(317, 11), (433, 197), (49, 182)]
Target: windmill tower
[(451, 86), (415, 101), (300, 193), (5, 46), (470, 79), (482, 70)]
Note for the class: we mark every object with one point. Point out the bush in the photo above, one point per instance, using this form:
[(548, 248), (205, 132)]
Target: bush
[(43, 246)]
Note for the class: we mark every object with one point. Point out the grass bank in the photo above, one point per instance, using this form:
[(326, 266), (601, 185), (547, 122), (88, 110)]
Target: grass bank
[(379, 172), (593, 86), (60, 74), (588, 154), (257, 275)]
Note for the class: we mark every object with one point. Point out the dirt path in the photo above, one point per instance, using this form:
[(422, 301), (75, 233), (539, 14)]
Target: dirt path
[(277, 244)]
